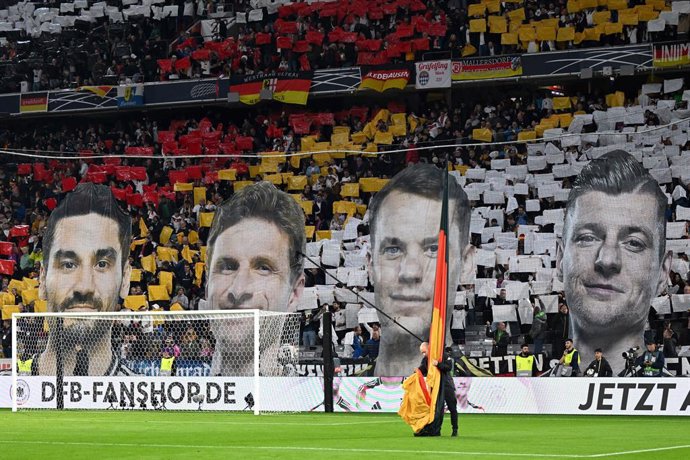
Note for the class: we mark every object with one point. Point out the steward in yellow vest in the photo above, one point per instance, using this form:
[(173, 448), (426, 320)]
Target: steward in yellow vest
[(167, 364), (24, 366), (524, 363), (571, 357)]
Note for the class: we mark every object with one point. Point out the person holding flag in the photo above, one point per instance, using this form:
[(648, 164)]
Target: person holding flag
[(446, 368), (422, 404)]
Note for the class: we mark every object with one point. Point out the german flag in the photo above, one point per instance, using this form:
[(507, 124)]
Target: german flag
[(249, 92), (289, 88), (382, 80), (294, 91), (33, 102), (422, 405), (101, 91)]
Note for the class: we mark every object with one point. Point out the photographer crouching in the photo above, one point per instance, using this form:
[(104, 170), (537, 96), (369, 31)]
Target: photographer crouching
[(600, 367), (652, 361)]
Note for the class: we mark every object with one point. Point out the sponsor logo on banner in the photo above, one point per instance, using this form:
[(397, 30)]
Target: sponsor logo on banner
[(130, 95), (492, 395), (382, 80), (673, 55), (433, 74), (487, 67), (174, 393), (33, 102)]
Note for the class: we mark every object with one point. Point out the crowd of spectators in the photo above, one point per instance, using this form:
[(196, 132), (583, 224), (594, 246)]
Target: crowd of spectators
[(305, 36), (92, 51), (308, 36), (170, 226)]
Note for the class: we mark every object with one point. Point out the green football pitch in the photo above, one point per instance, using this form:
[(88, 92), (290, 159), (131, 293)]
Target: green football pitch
[(191, 435)]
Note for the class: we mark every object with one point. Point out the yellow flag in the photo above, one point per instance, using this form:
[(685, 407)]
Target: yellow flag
[(183, 187), (135, 276), (166, 279), (198, 272), (136, 243), (227, 174), (297, 182), (206, 219), (148, 263), (143, 229), (193, 237), (482, 134), (135, 302), (40, 306), (7, 311), (16, 284), (158, 292), (188, 254), (30, 282), (167, 254), (384, 138), (199, 194), (6, 298), (351, 190), (307, 206), (323, 235), (344, 207), (29, 295), (165, 235)]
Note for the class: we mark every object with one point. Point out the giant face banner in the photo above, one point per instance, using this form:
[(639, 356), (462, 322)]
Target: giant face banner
[(85, 269), (612, 257), (603, 244)]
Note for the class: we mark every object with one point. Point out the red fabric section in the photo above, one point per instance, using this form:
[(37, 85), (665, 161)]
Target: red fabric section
[(69, 184), (24, 169), (165, 65), (177, 176), (50, 203), (19, 230), (6, 248), (7, 267), (423, 387)]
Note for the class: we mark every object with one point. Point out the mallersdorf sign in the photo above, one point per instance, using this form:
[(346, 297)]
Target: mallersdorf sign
[(481, 68), (433, 74), (492, 395)]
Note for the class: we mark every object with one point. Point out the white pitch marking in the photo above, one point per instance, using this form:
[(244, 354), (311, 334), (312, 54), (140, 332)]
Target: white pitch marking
[(353, 450)]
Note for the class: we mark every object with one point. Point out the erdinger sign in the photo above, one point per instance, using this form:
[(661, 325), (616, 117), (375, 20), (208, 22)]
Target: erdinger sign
[(433, 74)]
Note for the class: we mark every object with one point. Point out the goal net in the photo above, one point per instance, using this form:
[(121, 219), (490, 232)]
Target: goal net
[(179, 360)]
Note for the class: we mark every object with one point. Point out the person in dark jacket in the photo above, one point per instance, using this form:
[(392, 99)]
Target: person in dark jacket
[(600, 367), (500, 337), (561, 328), (446, 368), (371, 348)]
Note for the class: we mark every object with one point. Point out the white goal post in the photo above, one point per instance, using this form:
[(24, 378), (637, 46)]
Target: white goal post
[(181, 360)]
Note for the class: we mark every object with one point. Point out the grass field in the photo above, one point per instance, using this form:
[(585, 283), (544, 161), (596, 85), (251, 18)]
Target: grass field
[(171, 435)]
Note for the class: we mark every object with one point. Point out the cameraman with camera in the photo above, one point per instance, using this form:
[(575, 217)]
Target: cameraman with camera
[(600, 367), (652, 360)]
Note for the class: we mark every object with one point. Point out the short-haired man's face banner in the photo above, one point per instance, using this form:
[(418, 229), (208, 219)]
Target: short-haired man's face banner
[(403, 270), (250, 268), (404, 255), (610, 261), (84, 271)]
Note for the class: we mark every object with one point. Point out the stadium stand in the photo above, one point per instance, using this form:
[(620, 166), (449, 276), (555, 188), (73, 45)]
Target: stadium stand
[(170, 182), (55, 45), (141, 41)]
